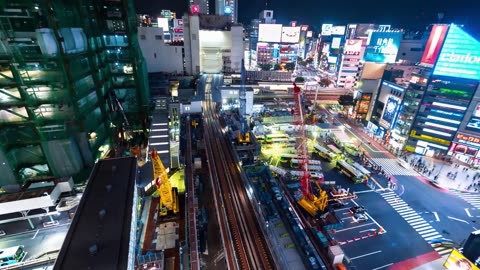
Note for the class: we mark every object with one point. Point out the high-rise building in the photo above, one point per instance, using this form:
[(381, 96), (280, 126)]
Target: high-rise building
[(73, 82), (227, 8)]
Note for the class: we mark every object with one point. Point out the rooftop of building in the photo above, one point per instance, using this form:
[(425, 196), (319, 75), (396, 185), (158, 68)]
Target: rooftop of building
[(99, 235)]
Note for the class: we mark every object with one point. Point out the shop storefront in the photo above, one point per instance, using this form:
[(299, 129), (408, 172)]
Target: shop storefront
[(466, 148)]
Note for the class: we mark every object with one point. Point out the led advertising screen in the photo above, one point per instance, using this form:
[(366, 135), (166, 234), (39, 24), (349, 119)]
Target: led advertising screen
[(336, 43), (309, 34), (363, 30), (327, 29), (332, 59), (434, 44), (389, 112), (456, 261), (338, 30), (473, 124), (364, 103), (269, 32), (163, 23), (352, 47), (290, 34), (460, 55), (382, 47)]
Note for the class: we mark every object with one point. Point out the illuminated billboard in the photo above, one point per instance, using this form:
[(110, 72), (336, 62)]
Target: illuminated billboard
[(163, 23), (327, 29), (389, 112), (382, 47), (456, 260), (269, 32), (336, 43), (460, 55), (364, 103), (332, 59), (338, 30), (434, 44), (363, 30), (290, 34), (352, 47), (309, 34)]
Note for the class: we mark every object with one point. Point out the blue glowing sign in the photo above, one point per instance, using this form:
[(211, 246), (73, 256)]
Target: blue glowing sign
[(383, 46), (460, 55), (228, 10)]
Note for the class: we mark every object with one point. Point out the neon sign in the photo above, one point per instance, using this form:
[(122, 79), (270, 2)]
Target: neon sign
[(460, 55)]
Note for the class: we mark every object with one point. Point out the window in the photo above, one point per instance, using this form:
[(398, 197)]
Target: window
[(416, 49), (158, 37), (143, 37)]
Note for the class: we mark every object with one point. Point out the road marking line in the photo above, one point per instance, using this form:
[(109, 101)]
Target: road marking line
[(414, 223), (407, 212), (436, 216), (430, 234), (423, 229), (421, 225), (468, 212), (427, 232), (364, 255), (410, 216), (381, 267), (346, 218), (363, 191), (35, 234), (433, 237), (405, 208), (369, 230), (457, 219), (341, 230), (384, 231)]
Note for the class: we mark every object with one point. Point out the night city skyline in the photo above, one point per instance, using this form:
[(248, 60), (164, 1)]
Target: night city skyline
[(409, 14)]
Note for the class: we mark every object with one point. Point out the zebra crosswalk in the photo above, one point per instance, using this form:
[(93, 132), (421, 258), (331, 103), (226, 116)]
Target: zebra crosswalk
[(471, 198), (391, 166), (419, 224)]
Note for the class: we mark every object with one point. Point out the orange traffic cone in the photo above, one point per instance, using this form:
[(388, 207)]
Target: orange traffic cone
[(381, 230)]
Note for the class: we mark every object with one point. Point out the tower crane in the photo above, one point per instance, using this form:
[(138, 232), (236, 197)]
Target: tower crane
[(168, 194), (309, 201)]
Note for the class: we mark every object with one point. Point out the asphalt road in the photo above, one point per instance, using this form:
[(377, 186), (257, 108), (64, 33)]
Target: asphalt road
[(37, 242), (418, 212)]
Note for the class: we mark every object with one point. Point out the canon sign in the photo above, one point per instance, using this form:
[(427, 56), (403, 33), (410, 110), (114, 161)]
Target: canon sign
[(457, 58)]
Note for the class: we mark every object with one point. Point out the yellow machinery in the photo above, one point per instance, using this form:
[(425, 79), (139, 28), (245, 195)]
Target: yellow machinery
[(314, 204), (243, 139), (168, 194)]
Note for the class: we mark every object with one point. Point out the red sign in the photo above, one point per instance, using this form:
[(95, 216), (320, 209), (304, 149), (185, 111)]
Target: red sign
[(468, 138), (194, 9), (178, 30), (352, 47), (434, 44)]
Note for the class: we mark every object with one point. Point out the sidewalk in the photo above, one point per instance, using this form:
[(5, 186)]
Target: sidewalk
[(450, 175)]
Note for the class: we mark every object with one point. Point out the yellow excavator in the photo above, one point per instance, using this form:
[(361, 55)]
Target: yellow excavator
[(168, 194)]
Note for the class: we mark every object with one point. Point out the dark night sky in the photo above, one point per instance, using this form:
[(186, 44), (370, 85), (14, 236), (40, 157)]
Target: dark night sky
[(399, 13)]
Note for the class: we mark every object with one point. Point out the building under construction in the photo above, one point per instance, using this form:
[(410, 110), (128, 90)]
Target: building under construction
[(73, 84)]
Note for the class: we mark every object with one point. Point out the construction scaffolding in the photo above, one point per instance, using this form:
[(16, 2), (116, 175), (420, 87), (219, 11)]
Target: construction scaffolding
[(73, 83)]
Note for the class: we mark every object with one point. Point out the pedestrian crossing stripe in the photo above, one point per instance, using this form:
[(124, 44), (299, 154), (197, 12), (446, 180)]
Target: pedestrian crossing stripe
[(391, 166), (473, 199), (422, 227)]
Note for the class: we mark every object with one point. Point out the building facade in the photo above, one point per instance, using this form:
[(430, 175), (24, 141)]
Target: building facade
[(73, 81)]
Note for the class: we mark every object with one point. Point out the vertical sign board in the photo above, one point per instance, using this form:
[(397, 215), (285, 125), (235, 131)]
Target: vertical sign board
[(382, 47), (434, 44), (460, 55)]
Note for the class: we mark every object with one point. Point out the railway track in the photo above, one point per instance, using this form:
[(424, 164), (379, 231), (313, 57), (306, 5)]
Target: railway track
[(249, 244)]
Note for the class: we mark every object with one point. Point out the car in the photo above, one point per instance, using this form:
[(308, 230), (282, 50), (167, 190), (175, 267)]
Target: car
[(442, 242), (336, 204), (360, 217), (357, 210)]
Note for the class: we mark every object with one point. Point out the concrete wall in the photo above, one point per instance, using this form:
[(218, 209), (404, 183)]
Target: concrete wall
[(191, 29), (160, 57), (411, 50)]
